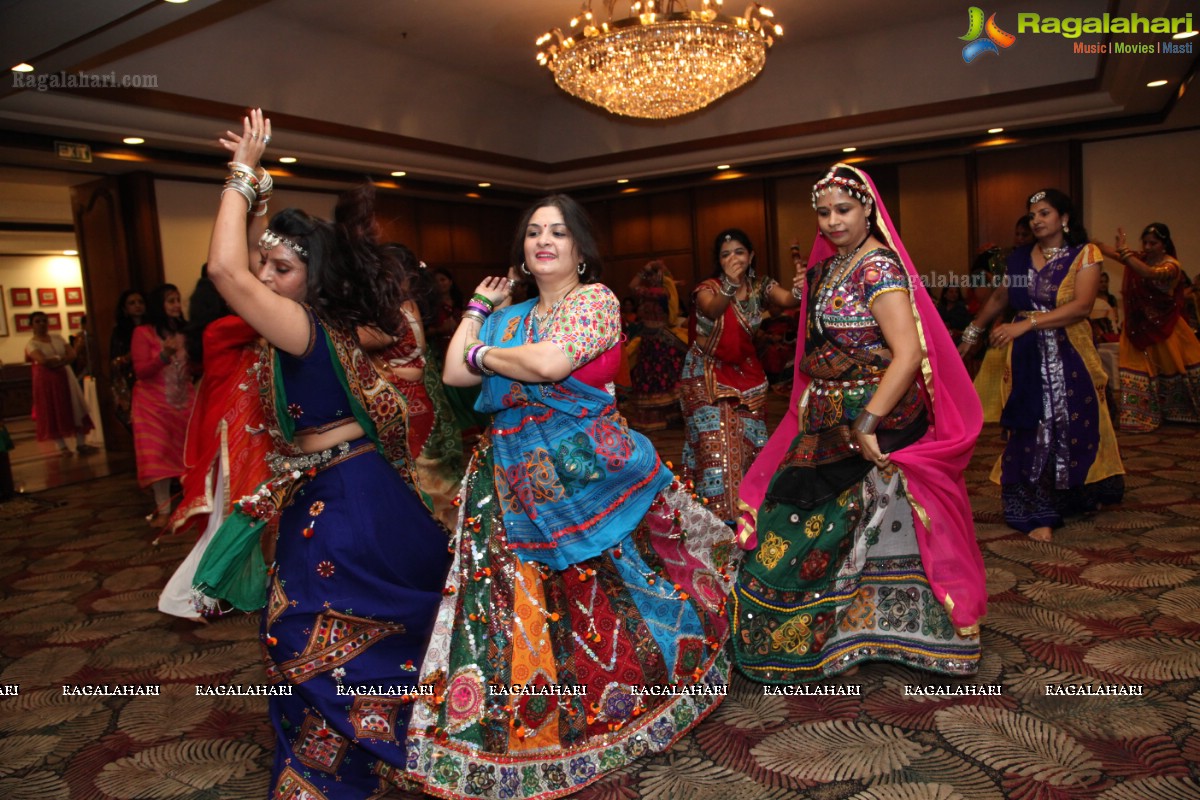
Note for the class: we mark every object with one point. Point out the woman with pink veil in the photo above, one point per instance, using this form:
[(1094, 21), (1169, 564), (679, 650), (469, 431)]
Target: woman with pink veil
[(856, 514)]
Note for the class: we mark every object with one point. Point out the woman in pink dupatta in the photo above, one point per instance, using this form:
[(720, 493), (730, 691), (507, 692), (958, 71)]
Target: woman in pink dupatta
[(856, 512)]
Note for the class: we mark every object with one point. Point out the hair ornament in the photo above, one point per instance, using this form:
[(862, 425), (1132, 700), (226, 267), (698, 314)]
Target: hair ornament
[(270, 240), (1037, 198), (832, 182)]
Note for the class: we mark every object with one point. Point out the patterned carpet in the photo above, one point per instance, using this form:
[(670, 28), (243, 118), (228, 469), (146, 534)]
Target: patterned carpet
[(1114, 601)]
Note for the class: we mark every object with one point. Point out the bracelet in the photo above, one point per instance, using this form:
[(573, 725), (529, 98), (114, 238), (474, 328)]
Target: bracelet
[(728, 287), (797, 293), (972, 333), (474, 316), (480, 354), (486, 301), (866, 422), (241, 188), (478, 307), (1033, 319)]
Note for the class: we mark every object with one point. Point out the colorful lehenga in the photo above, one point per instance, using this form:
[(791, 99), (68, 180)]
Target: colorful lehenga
[(852, 562), (723, 392), (1160, 355), (357, 577), (655, 355), (582, 574), (1061, 454)]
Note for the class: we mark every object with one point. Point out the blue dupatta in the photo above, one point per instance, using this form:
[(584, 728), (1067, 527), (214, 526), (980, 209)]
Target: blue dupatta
[(572, 480)]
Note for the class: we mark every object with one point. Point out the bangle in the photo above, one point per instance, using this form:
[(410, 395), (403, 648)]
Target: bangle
[(797, 293), (485, 300), (474, 316), (728, 287), (972, 333), (1032, 319), (866, 422), (480, 354), (475, 305)]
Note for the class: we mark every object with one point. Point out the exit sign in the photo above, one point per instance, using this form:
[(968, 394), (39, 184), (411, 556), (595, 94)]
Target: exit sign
[(74, 151)]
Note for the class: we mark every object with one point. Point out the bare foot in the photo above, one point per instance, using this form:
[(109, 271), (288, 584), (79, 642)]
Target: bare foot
[(1042, 534)]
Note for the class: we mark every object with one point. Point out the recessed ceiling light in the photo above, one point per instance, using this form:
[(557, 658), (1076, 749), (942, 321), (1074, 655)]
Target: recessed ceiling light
[(849, 149), (287, 160), (23, 67), (995, 130), (722, 166), (399, 173), (70, 252), (484, 185), (1156, 84), (180, 2), (622, 180), (473, 195), (1185, 34), (133, 140)]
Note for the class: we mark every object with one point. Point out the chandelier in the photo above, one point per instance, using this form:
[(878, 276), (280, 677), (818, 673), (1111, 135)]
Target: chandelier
[(658, 65)]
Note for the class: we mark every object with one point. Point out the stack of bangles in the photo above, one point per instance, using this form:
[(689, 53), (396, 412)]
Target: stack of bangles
[(1125, 253), (728, 287), (474, 358), (478, 308), (973, 334), (257, 191)]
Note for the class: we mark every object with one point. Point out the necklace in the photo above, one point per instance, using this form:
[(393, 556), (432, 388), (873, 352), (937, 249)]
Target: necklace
[(542, 323), (839, 268), (1051, 253)]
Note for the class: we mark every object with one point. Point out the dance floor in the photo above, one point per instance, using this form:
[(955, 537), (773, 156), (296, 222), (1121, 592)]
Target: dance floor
[(1112, 604)]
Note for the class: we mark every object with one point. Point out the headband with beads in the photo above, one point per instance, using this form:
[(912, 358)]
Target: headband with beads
[(1037, 198), (270, 239), (831, 182)]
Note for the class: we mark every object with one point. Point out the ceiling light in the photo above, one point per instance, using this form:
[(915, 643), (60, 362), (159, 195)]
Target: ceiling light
[(722, 166), (70, 252), (474, 195), (849, 149), (180, 2), (995, 130), (1184, 35), (1156, 84), (399, 173), (658, 65), (622, 180), (23, 67), (287, 160), (133, 140), (484, 185)]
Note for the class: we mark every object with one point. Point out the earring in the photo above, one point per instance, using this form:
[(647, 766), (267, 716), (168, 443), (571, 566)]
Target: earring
[(868, 224), (524, 268), (581, 267), (1065, 228), (750, 274)]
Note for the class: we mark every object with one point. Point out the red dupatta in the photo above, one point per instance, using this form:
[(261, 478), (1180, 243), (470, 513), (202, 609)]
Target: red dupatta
[(1151, 309), (933, 467)]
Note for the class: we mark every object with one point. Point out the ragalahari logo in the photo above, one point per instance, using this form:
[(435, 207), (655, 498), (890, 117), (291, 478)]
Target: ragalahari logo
[(995, 38)]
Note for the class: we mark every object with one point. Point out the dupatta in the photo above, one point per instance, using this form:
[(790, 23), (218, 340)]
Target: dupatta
[(571, 478), (932, 468), (1151, 309)]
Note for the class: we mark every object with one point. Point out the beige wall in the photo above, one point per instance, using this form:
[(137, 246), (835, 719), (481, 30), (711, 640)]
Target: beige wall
[(33, 273), (1130, 183)]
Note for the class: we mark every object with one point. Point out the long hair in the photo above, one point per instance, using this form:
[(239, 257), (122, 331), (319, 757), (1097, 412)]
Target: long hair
[(352, 280), (1061, 203), (205, 307), (737, 235), (418, 283), (1163, 233), (123, 331), (578, 223), (156, 314)]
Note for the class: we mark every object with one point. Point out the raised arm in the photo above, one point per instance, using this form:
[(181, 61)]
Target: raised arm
[(281, 321)]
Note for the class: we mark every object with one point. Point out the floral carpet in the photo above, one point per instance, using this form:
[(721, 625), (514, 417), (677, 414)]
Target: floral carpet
[(1111, 605)]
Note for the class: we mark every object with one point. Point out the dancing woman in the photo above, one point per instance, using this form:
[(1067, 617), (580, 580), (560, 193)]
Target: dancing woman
[(856, 513), (1061, 454), (1160, 355), (358, 561), (723, 389), (581, 571)]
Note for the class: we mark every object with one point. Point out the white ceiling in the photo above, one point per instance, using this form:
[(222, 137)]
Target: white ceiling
[(450, 91)]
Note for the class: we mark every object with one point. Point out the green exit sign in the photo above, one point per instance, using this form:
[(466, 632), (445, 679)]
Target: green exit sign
[(74, 151)]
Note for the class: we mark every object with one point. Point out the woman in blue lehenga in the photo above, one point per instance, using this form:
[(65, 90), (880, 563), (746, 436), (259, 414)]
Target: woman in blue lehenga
[(1061, 455), (359, 562)]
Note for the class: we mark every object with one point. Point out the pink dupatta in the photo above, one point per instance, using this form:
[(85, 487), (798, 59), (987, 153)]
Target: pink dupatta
[(933, 467)]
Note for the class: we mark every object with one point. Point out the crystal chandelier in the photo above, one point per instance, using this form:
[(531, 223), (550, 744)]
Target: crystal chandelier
[(658, 65)]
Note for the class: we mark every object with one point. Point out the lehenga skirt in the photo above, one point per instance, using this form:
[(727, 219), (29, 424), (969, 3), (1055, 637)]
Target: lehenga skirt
[(839, 584), (545, 680), (722, 436), (352, 596), (1162, 383)]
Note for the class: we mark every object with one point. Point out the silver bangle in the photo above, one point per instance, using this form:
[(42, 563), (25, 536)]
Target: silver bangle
[(866, 422), (797, 293), (473, 315), (480, 356)]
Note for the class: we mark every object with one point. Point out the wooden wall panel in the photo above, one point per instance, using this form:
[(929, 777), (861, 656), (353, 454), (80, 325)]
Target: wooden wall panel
[(630, 226), (1004, 180), (740, 204), (671, 222), (936, 231)]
